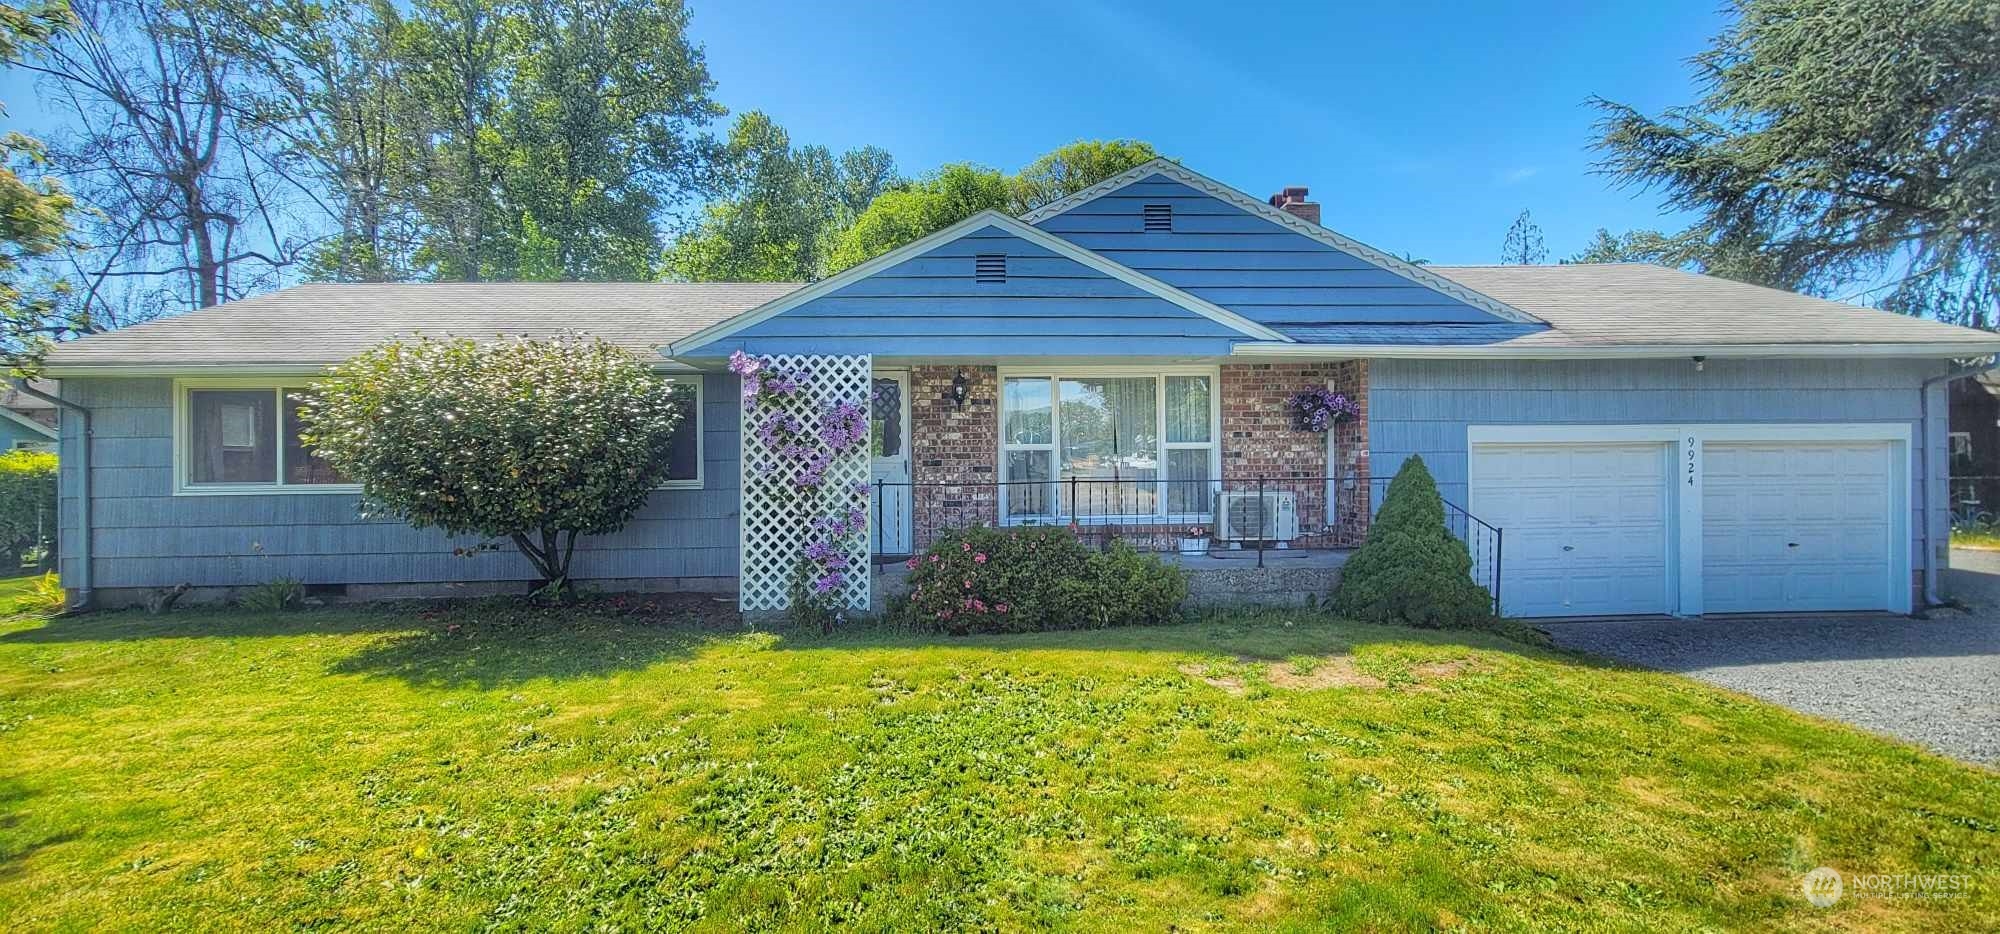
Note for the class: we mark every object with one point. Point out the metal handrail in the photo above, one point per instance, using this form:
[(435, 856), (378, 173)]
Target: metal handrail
[(1155, 511)]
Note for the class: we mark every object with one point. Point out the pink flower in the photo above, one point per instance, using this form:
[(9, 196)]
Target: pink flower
[(934, 559), (1000, 607), (911, 564), (968, 583), (979, 558), (964, 546), (979, 605)]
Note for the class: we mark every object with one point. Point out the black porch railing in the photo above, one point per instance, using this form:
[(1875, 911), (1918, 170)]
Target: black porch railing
[(1975, 502), (1241, 516)]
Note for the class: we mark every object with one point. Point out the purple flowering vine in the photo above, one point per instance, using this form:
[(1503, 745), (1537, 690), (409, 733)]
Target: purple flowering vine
[(774, 402)]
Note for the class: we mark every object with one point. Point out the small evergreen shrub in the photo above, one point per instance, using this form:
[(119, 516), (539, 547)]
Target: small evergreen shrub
[(1411, 570), (1034, 580)]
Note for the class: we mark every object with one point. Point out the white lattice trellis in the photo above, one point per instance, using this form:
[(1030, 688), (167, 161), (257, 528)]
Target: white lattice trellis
[(778, 514)]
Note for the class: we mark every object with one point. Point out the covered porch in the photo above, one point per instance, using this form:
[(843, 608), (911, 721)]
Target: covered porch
[(1197, 457)]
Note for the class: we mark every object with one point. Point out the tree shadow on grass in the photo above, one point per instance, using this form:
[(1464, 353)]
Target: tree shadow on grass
[(206, 623), (496, 643)]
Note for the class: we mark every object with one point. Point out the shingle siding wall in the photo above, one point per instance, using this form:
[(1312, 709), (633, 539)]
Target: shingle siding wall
[(1249, 264), (1425, 406), (931, 306), (144, 536)]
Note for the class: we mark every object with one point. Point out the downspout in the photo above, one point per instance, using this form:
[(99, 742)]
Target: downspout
[(1931, 596), (82, 582)]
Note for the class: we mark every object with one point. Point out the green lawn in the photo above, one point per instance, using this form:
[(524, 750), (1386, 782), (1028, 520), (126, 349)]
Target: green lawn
[(1982, 539), (492, 767)]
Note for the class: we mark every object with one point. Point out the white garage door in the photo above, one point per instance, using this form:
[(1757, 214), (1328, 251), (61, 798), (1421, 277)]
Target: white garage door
[(1796, 526), (1585, 526)]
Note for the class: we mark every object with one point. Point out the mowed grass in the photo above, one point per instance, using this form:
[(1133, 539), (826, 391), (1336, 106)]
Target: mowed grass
[(1978, 539), (488, 767)]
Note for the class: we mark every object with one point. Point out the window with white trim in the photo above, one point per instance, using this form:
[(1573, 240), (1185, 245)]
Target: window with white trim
[(1109, 446), (235, 437), (684, 453)]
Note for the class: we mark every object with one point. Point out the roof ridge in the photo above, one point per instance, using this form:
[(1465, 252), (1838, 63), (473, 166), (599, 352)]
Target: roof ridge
[(1249, 204)]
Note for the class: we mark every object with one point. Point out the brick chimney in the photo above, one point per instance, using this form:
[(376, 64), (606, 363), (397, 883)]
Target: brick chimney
[(1293, 201)]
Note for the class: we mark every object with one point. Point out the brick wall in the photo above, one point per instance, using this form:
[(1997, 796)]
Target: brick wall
[(1258, 441), (959, 447), (954, 446)]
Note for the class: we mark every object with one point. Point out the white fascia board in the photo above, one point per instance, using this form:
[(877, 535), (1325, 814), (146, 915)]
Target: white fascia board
[(989, 218), (26, 422), (1950, 350), (1289, 221)]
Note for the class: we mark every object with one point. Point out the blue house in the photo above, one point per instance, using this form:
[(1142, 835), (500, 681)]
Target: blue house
[(1644, 440)]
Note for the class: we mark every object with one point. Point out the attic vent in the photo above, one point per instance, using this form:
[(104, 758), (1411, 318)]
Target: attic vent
[(1159, 217), (989, 267)]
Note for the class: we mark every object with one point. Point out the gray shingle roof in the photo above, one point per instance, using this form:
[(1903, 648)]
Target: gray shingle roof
[(1586, 306), (320, 324), (1613, 304)]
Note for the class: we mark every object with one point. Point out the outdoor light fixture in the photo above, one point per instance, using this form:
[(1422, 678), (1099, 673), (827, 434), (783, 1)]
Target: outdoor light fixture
[(959, 389), (1700, 364)]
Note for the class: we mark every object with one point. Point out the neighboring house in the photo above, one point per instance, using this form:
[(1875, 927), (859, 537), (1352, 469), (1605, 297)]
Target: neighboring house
[(27, 422), (1648, 440), (1974, 445)]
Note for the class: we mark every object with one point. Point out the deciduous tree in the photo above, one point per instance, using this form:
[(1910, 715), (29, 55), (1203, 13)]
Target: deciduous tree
[(781, 207), (34, 211)]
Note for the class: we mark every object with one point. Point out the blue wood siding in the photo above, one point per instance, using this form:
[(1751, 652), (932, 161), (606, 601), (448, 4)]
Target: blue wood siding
[(147, 537), (13, 433), (930, 305), (1248, 264), (1425, 406)]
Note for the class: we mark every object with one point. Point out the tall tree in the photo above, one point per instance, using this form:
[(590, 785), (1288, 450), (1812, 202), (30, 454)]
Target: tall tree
[(333, 98), (34, 212), (457, 51), (1851, 142), (780, 209), (602, 124), (1523, 244), (1072, 168), (178, 201), (957, 191), (914, 210)]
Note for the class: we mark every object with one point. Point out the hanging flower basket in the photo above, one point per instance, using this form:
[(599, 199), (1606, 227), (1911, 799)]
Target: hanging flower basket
[(1320, 409)]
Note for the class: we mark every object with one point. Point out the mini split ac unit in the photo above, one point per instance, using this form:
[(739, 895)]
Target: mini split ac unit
[(1259, 517)]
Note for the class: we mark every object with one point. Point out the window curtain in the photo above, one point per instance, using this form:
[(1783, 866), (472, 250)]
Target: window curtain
[(1110, 431)]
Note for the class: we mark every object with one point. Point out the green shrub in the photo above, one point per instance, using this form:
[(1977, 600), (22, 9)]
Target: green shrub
[(42, 598), (274, 596), (27, 503), (1033, 580), (1412, 570)]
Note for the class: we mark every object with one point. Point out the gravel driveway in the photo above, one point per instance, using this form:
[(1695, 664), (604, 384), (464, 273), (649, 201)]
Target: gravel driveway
[(1933, 682)]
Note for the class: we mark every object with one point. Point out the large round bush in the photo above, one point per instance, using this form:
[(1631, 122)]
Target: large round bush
[(533, 441), (1035, 579)]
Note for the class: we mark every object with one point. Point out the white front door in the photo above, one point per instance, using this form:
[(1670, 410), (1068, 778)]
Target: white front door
[(1797, 526), (889, 438), (1585, 526)]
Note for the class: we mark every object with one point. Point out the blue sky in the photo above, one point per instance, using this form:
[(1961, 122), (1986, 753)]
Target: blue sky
[(1421, 127)]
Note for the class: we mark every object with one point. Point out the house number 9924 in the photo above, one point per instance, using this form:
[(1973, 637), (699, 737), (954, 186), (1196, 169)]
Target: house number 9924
[(1691, 448)]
